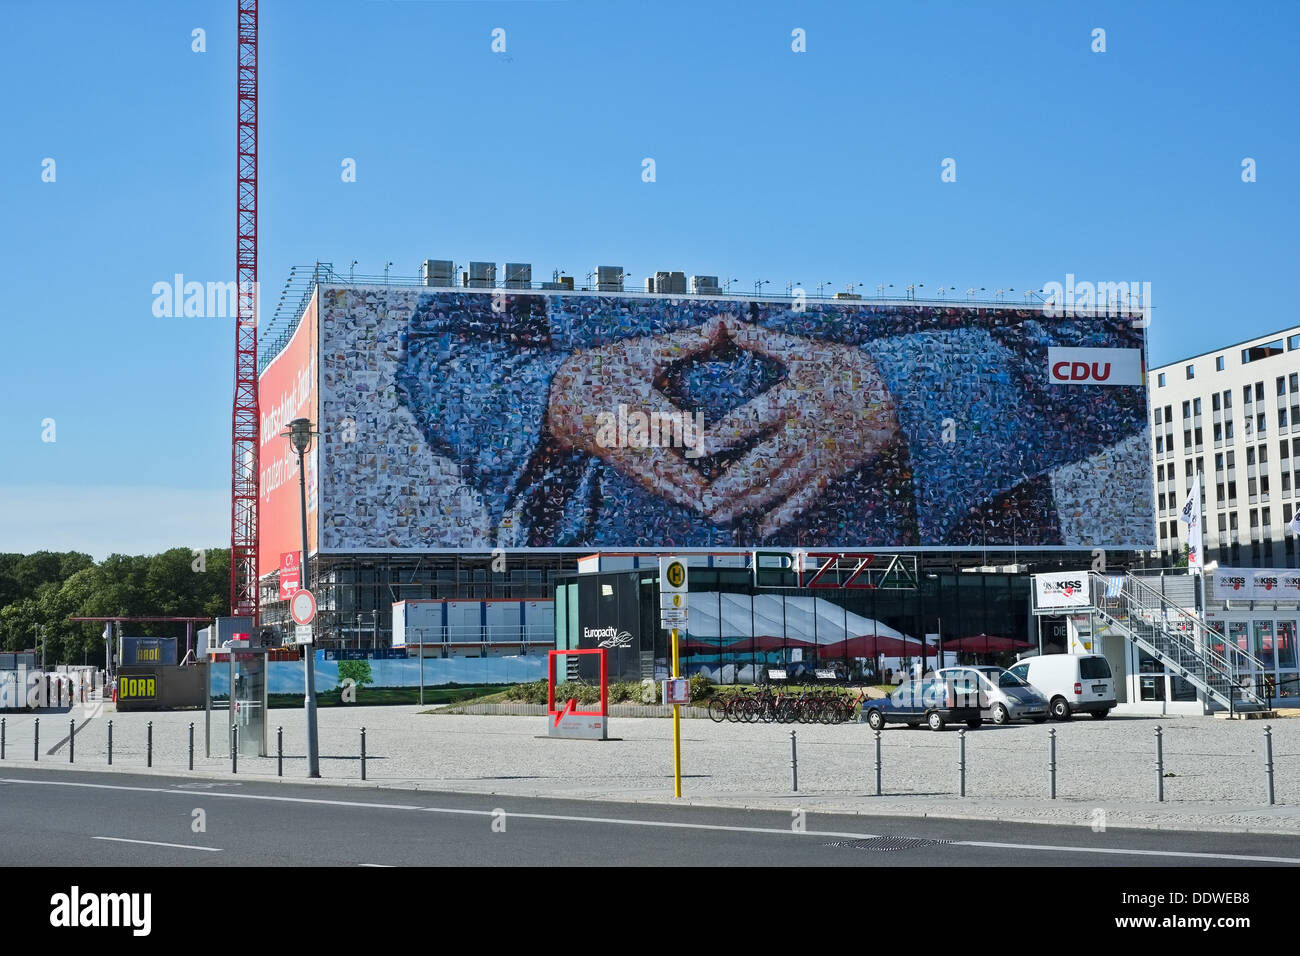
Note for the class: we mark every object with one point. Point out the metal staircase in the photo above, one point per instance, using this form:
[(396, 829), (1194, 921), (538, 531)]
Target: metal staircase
[(1179, 639)]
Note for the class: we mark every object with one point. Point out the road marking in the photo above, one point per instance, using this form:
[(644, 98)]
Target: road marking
[(670, 824), (1119, 851), (384, 866), (176, 846)]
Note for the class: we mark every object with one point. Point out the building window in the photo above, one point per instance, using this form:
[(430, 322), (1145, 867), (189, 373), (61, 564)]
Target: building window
[(1160, 444), (1281, 384), (1254, 517), (1281, 418), (1187, 438), (1223, 523), (1295, 382), (1197, 436), (1286, 484), (1219, 492), (1284, 449), (1216, 401), (1188, 469), (1159, 414), (1218, 462), (1252, 487), (1257, 352), (1160, 380), (1196, 406), (1259, 391), (1232, 459), (1191, 371), (1250, 455), (1162, 501), (1218, 364), (1293, 342), (1169, 413), (1218, 431), (1232, 491), (1187, 409), (1266, 518), (1295, 415), (1232, 521), (1263, 454), (1227, 430), (1260, 424), (1263, 484)]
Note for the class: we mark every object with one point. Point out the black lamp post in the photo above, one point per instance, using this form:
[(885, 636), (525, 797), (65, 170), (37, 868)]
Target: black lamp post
[(300, 435)]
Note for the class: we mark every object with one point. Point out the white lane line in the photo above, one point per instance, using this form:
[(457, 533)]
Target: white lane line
[(175, 846), (211, 793), (1119, 851), (671, 824), (384, 866)]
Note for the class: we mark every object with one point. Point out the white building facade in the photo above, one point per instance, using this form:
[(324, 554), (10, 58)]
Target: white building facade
[(1233, 415)]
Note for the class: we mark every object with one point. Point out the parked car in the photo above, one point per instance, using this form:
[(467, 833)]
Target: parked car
[(934, 701), (1003, 696), (1072, 683)]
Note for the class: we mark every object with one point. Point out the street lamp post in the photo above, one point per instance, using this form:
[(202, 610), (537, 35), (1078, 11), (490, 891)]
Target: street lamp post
[(300, 434)]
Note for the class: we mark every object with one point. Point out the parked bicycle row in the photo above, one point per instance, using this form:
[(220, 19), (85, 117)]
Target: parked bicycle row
[(775, 706)]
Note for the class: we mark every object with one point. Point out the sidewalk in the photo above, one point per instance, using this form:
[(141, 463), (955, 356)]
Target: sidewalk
[(1106, 770)]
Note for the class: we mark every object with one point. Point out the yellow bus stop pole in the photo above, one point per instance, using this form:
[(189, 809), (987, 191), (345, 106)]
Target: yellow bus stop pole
[(677, 726)]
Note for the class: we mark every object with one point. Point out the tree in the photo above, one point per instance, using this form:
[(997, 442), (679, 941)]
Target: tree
[(358, 671)]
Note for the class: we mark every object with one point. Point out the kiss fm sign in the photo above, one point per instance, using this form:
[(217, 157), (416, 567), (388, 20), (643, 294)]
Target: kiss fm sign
[(1257, 584), (1064, 589)]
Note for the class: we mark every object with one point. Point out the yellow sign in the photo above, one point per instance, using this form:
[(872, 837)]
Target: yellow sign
[(676, 574), (137, 688)]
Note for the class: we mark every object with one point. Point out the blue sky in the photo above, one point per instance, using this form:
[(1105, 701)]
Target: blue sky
[(812, 167)]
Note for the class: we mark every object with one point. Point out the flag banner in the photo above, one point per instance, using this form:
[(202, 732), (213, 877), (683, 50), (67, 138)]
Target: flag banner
[(1191, 516)]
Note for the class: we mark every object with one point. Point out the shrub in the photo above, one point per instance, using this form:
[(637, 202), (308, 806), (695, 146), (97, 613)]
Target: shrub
[(701, 688)]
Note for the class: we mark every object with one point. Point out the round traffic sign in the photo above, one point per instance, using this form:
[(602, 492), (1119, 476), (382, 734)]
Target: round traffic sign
[(302, 607), (676, 574)]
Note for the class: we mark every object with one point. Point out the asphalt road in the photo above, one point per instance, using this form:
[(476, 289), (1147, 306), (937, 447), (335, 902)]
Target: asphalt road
[(71, 818)]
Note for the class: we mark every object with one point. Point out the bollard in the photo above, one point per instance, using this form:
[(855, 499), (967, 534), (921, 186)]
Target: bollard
[(234, 748), (110, 743), (1051, 763), (72, 741), (961, 761), (794, 763), (2, 738), (1268, 759), (363, 753), (148, 747), (279, 751), (1160, 765), (191, 745), (36, 741), (877, 763)]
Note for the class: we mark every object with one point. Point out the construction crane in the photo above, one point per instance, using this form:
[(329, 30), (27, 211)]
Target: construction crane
[(245, 418)]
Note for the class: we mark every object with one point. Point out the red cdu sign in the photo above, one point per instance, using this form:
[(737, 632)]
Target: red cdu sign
[(290, 575)]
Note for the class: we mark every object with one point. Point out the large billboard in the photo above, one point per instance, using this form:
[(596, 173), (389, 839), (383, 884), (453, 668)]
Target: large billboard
[(286, 390), (467, 419)]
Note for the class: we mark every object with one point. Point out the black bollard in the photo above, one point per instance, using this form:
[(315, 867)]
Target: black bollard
[(36, 741), (110, 743), (363, 753), (794, 763), (279, 751), (191, 745), (877, 763), (1160, 765), (234, 748), (149, 745), (1051, 763), (1268, 760), (72, 741), (2, 738), (961, 762)]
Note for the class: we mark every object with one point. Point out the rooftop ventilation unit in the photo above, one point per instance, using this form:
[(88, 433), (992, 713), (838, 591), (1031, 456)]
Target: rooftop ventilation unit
[(609, 278), (439, 272), (670, 283), (519, 275), (482, 275), (705, 285)]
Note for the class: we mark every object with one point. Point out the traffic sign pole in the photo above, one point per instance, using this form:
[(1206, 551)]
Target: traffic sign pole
[(677, 725)]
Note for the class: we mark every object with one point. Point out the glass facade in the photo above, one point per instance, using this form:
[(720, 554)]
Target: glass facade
[(738, 631)]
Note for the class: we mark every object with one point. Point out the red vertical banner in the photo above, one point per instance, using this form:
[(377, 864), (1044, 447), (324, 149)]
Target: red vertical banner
[(290, 575)]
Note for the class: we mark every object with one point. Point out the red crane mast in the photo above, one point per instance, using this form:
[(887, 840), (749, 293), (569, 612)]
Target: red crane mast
[(245, 416)]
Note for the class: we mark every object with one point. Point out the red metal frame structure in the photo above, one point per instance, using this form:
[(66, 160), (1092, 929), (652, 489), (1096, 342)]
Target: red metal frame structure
[(244, 599), (571, 706)]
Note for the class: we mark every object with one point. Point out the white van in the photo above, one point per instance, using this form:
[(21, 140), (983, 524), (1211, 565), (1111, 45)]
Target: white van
[(1072, 683)]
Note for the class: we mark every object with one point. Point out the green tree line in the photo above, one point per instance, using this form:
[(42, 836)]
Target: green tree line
[(48, 587)]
